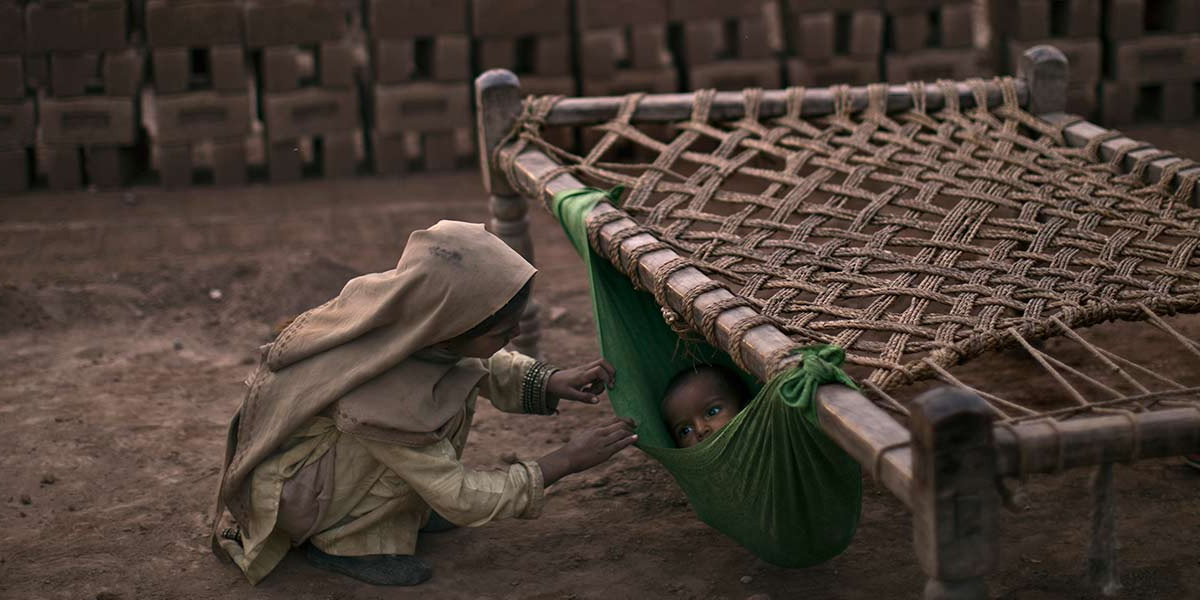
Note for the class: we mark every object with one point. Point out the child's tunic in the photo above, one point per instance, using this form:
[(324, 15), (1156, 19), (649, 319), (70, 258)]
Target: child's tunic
[(351, 493)]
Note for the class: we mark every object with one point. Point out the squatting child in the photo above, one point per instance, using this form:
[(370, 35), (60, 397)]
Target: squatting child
[(349, 438)]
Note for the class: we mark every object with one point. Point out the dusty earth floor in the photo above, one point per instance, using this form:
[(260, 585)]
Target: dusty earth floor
[(120, 370)]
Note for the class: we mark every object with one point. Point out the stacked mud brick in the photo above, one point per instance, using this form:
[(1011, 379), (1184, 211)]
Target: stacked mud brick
[(531, 38), (833, 42), (88, 76), (17, 120), (927, 40), (421, 90), (309, 86), (1153, 63), (623, 47), (200, 112), (725, 45), (1072, 26)]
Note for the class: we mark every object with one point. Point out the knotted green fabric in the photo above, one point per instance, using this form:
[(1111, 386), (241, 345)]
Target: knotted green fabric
[(770, 479)]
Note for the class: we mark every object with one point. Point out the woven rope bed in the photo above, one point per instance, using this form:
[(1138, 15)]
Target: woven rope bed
[(918, 227)]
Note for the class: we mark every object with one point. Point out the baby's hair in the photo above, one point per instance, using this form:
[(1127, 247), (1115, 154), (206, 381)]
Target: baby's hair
[(727, 376), (514, 305)]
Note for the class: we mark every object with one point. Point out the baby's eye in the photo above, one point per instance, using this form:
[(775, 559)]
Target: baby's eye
[(713, 411), (685, 431)]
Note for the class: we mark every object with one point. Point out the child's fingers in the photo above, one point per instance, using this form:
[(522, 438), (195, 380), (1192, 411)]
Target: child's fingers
[(596, 373), (613, 437), (617, 424), (623, 443), (594, 387), (579, 396), (608, 370)]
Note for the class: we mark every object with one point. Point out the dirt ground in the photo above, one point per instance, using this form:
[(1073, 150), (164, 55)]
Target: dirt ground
[(129, 319)]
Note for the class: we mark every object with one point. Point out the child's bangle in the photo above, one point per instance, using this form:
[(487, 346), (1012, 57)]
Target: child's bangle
[(533, 390)]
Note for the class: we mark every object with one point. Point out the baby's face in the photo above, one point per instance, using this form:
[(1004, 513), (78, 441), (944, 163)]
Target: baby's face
[(700, 405)]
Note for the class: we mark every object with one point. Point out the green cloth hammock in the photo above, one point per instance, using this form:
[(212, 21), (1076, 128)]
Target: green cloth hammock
[(770, 479)]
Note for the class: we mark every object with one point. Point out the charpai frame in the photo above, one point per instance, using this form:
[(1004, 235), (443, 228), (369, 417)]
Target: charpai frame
[(945, 464)]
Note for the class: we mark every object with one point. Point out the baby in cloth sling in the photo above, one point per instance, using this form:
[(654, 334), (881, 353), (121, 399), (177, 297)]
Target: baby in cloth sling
[(349, 439)]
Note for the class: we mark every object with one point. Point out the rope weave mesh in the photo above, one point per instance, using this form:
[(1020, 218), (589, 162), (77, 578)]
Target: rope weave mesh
[(915, 240)]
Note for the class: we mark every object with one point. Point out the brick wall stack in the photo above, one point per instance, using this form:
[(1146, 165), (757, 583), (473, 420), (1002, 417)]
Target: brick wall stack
[(421, 84), (531, 38), (1153, 62), (833, 42), (927, 40), (725, 45), (1072, 26), (87, 75), (623, 47), (236, 84), (199, 110), (309, 86), (17, 115)]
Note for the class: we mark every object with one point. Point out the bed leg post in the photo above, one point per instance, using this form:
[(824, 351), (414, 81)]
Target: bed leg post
[(954, 496), (1046, 71), (510, 222), (497, 108), (1102, 549)]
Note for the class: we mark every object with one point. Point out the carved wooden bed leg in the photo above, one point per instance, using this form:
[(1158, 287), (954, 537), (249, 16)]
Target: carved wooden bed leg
[(510, 222), (954, 497), (498, 105)]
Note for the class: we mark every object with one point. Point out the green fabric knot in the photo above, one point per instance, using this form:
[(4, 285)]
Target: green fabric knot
[(819, 365), (614, 194)]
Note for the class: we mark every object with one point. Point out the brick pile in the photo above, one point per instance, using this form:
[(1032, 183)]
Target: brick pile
[(420, 84), (623, 47), (86, 72), (531, 38), (309, 81), (214, 90), (1072, 26), (832, 42), (927, 40), (1153, 62), (17, 115), (199, 109), (725, 45)]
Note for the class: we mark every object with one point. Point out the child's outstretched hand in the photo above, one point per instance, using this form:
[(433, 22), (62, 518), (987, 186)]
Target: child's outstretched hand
[(584, 383), (587, 449)]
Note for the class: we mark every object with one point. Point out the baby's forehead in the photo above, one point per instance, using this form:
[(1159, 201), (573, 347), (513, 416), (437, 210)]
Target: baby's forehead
[(695, 385), (704, 379)]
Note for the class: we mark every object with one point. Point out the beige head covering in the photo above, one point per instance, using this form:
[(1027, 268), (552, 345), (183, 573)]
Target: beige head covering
[(450, 278)]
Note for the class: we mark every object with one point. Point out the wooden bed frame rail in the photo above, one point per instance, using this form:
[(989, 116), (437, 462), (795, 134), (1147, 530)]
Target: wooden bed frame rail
[(729, 106), (945, 465)]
